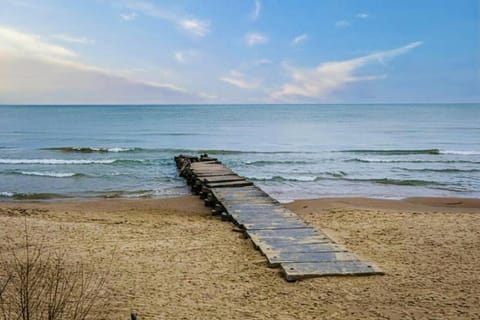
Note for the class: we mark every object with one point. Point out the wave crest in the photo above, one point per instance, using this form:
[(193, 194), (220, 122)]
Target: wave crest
[(394, 152), (49, 174), (91, 149), (368, 160), (55, 161)]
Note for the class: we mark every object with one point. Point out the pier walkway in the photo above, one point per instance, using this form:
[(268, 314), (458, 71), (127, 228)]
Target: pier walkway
[(286, 241)]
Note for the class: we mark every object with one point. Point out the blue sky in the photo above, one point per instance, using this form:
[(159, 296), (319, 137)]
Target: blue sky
[(239, 51)]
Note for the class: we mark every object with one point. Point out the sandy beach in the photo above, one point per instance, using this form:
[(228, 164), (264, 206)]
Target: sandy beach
[(173, 260)]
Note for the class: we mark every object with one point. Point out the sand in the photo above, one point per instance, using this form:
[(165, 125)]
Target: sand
[(172, 260)]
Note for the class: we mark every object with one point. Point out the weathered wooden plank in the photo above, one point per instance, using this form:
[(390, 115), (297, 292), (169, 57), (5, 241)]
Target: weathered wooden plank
[(248, 201), (257, 207), (226, 178), (229, 184), (242, 214), (242, 197), (211, 171), (284, 233), (271, 225), (259, 213), (242, 220), (209, 167), (272, 246), (210, 162), (274, 260), (213, 174), (204, 164), (252, 208), (281, 241), (275, 246), (250, 189), (296, 271)]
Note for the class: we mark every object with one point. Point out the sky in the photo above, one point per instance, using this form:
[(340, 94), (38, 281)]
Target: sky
[(239, 51)]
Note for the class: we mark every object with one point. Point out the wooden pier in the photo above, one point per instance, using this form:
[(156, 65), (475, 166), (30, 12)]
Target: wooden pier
[(286, 241)]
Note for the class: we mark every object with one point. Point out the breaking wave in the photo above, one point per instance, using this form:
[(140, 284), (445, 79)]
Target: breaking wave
[(64, 161), (55, 161), (445, 170), (267, 163), (465, 153), (91, 149), (48, 174), (368, 160), (398, 182), (394, 152)]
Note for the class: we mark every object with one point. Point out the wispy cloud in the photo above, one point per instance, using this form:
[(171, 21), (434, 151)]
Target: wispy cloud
[(128, 16), (22, 3), (330, 76), (73, 39), (195, 26), (342, 24), (256, 10), (185, 55), (238, 79), (299, 39), (362, 15), (255, 38), (192, 25), (26, 60), (263, 61), (23, 43)]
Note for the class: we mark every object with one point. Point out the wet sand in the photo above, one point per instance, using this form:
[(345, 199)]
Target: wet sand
[(173, 260)]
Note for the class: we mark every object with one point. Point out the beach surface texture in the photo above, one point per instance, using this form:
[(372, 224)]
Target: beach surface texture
[(173, 260)]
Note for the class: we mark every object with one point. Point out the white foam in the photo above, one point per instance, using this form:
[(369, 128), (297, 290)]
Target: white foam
[(119, 149), (465, 153), (54, 161), (114, 149), (301, 178), (48, 174), (6, 194)]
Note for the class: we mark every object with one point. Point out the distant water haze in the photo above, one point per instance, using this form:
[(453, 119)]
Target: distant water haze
[(291, 151)]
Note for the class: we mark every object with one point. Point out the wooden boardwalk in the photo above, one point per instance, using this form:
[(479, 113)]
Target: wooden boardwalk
[(285, 240)]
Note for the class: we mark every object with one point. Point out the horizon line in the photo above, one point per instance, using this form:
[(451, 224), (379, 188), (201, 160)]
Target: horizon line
[(222, 104)]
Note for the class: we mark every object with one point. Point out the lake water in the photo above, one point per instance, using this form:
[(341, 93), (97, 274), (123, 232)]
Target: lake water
[(291, 151)]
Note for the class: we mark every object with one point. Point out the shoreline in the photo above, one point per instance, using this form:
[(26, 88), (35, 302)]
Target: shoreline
[(409, 203)]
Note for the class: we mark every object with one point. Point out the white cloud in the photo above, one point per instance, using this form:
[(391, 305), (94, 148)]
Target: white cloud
[(185, 56), (330, 76), (194, 26), (208, 96), (35, 71), (252, 39), (342, 24), (362, 15), (128, 16), (73, 39), (12, 40), (256, 10), (299, 39), (263, 61), (238, 79)]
